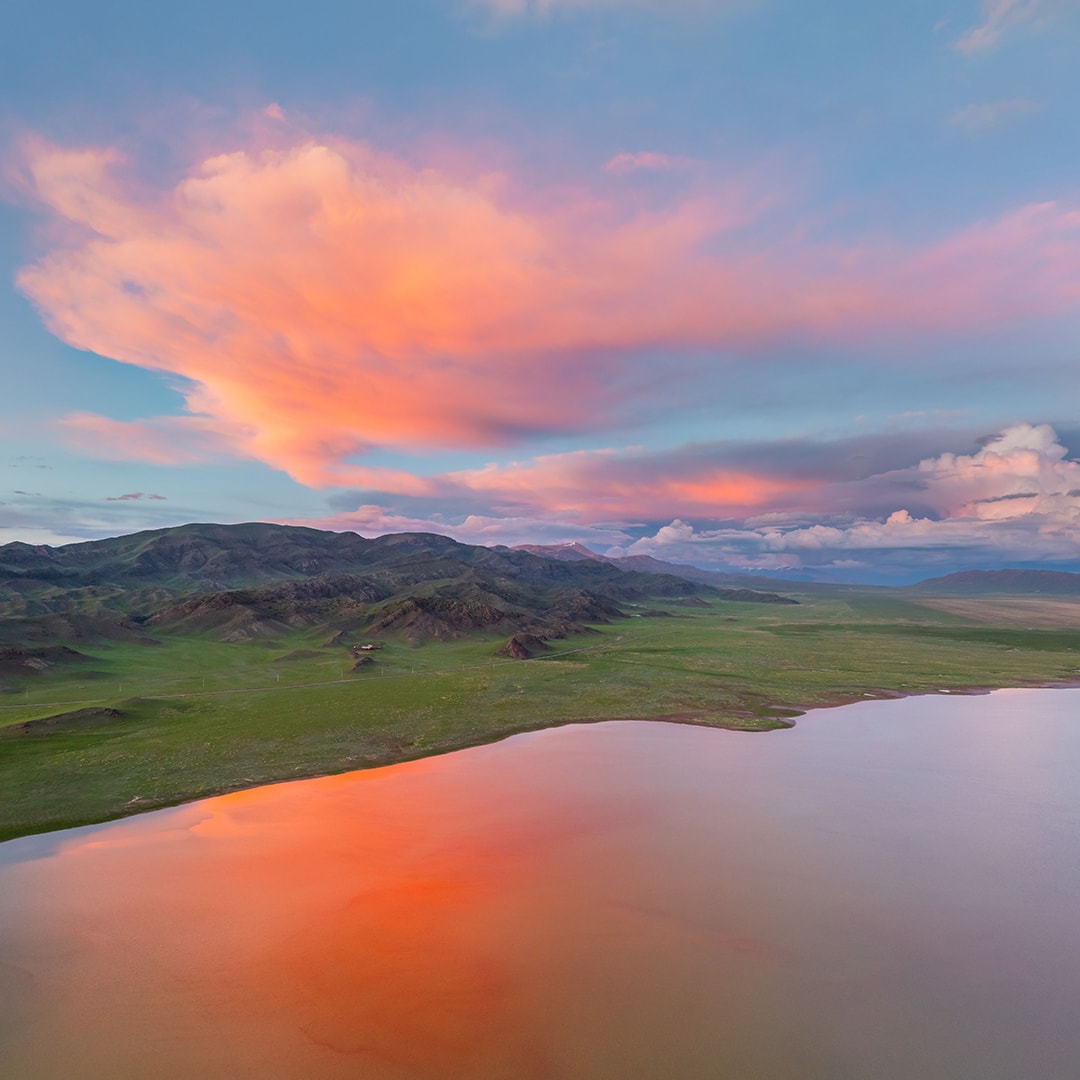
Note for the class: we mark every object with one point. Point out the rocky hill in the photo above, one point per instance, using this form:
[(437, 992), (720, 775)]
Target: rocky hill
[(236, 582)]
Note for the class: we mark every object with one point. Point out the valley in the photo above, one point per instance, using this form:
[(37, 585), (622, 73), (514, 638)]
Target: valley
[(163, 681)]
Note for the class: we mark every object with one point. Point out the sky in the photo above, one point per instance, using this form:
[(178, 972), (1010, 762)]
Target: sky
[(757, 285)]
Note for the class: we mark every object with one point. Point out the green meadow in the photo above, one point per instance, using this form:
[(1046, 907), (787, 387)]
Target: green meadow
[(198, 716)]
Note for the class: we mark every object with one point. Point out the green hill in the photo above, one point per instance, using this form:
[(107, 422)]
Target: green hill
[(240, 582)]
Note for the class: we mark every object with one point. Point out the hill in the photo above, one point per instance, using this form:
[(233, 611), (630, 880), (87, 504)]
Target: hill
[(215, 557), (646, 564), (238, 582), (1001, 582)]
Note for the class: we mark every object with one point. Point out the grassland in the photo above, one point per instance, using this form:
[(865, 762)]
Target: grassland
[(198, 716)]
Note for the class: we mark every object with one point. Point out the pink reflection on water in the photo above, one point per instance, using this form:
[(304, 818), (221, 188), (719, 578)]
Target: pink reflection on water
[(871, 894), (364, 918)]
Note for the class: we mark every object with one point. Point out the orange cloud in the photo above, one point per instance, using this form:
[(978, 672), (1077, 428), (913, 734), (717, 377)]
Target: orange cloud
[(164, 440), (607, 485), (326, 300)]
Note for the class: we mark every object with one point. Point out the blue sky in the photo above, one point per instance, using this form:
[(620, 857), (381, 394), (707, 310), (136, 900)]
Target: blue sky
[(757, 285)]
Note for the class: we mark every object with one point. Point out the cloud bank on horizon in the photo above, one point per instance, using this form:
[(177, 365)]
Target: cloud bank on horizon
[(1016, 499), (734, 354)]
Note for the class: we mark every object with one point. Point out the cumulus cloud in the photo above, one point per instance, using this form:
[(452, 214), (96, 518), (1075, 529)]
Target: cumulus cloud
[(1023, 471), (1017, 499), (322, 301), (1014, 499)]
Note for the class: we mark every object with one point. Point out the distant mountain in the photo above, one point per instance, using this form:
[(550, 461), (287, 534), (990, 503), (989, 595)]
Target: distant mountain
[(1001, 582), (236, 582), (148, 567), (565, 552), (646, 564)]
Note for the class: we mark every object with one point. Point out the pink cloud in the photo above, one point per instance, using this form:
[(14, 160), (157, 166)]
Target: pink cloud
[(998, 18), (606, 485), (326, 300), (1015, 499), (489, 529), (134, 495), (1018, 498), (644, 159), (1022, 471), (543, 8), (163, 440)]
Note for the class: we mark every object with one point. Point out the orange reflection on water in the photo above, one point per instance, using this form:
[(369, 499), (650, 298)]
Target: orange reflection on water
[(310, 929), (607, 902)]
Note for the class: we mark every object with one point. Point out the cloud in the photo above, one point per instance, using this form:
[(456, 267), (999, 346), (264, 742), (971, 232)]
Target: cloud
[(724, 480), (1024, 471), (323, 301), (1001, 17), (162, 440), (51, 519), (134, 495), (977, 119), (645, 159), (545, 8), (35, 535), (1015, 500), (604, 485), (374, 520)]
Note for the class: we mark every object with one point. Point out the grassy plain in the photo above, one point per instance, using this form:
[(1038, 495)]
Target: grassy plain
[(199, 716)]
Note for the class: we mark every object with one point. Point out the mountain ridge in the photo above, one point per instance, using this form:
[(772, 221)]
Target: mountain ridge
[(1009, 581), (259, 579), (648, 564)]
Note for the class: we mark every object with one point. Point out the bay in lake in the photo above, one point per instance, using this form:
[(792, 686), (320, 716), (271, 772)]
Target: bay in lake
[(891, 890)]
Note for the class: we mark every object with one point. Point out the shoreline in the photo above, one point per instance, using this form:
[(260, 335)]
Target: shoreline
[(784, 719)]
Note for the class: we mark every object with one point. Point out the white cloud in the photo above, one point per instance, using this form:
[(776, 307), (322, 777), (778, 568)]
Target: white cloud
[(1015, 500), (1023, 471), (17, 534)]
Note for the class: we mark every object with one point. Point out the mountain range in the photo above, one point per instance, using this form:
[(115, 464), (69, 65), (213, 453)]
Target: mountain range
[(238, 582)]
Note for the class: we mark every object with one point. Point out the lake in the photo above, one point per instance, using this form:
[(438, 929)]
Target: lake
[(890, 890)]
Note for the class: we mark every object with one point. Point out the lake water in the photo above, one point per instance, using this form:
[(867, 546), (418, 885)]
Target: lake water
[(891, 890)]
